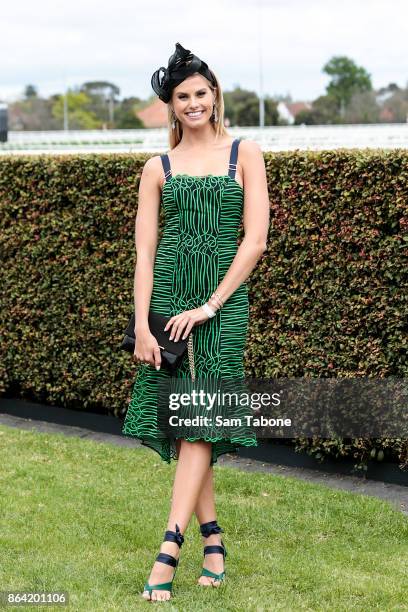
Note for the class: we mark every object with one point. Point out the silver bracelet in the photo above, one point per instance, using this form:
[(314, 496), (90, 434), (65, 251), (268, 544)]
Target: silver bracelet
[(215, 301), (217, 296), (208, 310)]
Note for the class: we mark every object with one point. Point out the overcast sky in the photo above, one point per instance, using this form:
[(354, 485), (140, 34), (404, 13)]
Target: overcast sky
[(54, 44)]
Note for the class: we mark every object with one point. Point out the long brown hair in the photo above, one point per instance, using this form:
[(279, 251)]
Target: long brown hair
[(219, 127)]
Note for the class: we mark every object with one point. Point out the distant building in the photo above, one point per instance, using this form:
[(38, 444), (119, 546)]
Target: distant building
[(287, 111), (386, 115), (154, 115)]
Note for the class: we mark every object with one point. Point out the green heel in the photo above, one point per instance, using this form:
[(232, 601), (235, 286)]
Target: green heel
[(206, 530), (169, 536)]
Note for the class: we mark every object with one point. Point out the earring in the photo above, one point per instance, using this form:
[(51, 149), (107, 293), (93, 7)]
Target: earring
[(173, 123), (215, 114)]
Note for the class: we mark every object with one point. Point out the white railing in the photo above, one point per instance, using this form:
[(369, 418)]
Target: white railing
[(273, 138)]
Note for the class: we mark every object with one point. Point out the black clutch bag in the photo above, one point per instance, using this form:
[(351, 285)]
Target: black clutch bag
[(172, 353)]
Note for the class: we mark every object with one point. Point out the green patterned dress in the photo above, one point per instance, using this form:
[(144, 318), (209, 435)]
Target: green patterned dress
[(198, 245)]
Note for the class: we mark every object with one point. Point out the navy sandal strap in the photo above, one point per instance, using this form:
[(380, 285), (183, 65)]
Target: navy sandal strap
[(166, 165), (174, 536), (208, 550), (168, 559), (232, 166), (209, 528), (171, 536)]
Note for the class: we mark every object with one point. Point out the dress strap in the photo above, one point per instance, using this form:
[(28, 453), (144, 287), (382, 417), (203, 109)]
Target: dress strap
[(232, 167), (166, 165)]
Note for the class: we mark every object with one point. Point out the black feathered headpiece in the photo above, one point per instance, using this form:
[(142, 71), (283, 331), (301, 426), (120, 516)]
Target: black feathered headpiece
[(181, 64)]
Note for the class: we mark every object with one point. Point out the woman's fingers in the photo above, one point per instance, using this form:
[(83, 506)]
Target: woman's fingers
[(172, 326), (170, 322), (187, 330), (181, 326), (156, 357)]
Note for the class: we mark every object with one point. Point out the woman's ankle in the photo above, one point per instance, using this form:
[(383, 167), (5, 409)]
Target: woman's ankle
[(171, 548), (213, 539)]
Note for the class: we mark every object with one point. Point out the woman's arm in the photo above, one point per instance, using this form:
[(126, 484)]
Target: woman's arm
[(255, 220), (146, 235)]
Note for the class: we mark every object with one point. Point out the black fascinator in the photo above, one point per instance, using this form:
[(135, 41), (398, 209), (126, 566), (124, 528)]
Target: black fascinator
[(181, 64)]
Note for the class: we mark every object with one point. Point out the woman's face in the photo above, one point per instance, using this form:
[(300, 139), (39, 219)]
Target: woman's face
[(193, 95)]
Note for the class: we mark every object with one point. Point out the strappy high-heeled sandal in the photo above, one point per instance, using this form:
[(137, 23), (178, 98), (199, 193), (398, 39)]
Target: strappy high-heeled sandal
[(207, 529), (169, 536)]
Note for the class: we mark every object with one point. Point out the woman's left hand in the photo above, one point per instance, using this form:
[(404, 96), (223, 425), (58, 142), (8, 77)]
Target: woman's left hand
[(184, 322)]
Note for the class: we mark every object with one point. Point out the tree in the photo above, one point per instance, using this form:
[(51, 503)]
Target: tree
[(347, 79), (398, 105), (79, 115), (125, 115), (242, 108), (324, 111), (103, 99), (362, 108), (30, 92)]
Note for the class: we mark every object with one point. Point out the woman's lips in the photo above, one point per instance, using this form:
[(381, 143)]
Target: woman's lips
[(195, 116)]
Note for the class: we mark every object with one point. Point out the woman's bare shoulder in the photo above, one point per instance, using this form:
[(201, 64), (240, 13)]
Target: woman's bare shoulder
[(249, 147), (250, 154), (153, 164), (153, 170)]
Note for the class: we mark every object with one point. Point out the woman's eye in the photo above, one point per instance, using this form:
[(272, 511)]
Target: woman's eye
[(202, 93)]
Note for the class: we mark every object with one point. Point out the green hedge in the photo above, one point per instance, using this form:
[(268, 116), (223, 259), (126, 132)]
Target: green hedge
[(328, 298)]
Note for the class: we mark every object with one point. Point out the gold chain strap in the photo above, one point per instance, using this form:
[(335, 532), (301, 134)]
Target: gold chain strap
[(191, 355)]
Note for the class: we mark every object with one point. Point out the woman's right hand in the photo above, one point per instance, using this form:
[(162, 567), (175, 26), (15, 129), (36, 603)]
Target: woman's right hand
[(147, 348)]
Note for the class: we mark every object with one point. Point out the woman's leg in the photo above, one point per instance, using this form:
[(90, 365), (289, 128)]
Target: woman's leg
[(192, 467), (205, 512), (205, 507)]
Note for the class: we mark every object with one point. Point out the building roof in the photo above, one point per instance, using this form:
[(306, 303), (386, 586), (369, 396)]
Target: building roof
[(154, 115)]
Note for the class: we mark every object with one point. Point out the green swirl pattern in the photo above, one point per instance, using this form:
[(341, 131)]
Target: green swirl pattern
[(198, 245)]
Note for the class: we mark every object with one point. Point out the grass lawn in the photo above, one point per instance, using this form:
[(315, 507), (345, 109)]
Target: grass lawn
[(88, 518)]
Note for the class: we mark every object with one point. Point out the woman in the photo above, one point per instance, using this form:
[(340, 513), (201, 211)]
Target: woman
[(196, 276)]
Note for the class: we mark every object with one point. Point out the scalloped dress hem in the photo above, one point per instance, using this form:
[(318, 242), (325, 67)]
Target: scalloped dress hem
[(168, 452)]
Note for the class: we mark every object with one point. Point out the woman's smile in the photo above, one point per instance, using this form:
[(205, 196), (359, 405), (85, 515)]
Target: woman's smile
[(195, 114)]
